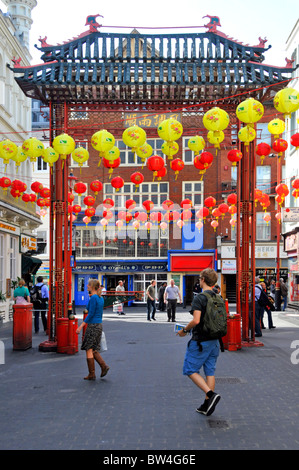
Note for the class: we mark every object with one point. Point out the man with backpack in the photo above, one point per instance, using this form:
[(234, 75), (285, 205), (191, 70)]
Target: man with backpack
[(39, 296), (208, 326)]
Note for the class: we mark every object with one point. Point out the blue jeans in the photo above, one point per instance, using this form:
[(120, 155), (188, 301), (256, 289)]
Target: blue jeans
[(151, 308), (285, 301)]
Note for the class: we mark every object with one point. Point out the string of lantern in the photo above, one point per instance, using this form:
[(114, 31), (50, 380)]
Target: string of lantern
[(216, 120)]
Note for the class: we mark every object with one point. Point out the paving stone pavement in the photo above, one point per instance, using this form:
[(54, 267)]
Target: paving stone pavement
[(144, 402)]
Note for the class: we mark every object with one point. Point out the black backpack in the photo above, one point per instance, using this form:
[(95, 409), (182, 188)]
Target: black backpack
[(263, 300), (36, 295), (215, 317)]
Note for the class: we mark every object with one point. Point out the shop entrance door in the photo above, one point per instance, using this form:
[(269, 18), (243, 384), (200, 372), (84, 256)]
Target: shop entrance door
[(190, 281), (81, 292)]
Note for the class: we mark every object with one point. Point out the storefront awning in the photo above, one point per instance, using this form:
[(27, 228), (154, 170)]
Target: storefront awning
[(30, 264), (192, 262)]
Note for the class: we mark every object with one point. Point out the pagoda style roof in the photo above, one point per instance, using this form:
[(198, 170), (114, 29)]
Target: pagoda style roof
[(117, 67)]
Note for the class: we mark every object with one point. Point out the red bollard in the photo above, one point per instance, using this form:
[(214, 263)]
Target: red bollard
[(73, 337), (62, 333), (232, 339), (22, 326)]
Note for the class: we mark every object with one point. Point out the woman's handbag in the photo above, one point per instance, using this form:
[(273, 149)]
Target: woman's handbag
[(103, 343)]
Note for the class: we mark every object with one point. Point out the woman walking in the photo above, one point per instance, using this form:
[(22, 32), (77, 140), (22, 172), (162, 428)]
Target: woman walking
[(93, 333)]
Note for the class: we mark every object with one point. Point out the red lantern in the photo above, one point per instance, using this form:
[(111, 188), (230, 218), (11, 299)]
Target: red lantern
[(142, 216), (41, 202), (232, 210), (5, 183), (234, 156), (90, 212), (80, 188), (130, 204), (214, 224), (96, 186), (295, 140), (156, 217), (32, 198), (257, 195), (108, 203), (264, 201), (155, 164), (295, 184), (45, 192), (167, 205), (202, 213), (47, 202), (161, 173), (263, 150), (89, 200), (232, 199), (111, 164), (282, 190), (137, 178), (26, 198), (186, 204), (280, 146), (128, 217), (177, 165), (70, 198), (206, 158), (210, 202), (148, 205), (223, 208), (186, 214), (19, 186), (216, 213), (117, 183), (76, 208), (36, 187)]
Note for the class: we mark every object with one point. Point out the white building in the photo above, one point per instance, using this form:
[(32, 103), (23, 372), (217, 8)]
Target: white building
[(18, 220), (291, 229)]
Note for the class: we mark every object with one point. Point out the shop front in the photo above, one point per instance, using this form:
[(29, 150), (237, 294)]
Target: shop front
[(136, 276), (291, 247), (185, 266)]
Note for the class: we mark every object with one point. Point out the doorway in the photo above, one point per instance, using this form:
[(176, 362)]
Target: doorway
[(190, 281), (111, 281), (81, 292)]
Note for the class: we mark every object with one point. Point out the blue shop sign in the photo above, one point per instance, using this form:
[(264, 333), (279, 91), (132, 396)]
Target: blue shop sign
[(121, 267)]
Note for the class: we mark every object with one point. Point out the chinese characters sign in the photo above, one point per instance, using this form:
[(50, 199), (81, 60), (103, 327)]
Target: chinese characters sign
[(149, 120)]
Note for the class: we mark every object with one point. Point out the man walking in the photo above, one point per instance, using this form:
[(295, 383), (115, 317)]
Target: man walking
[(151, 300), (171, 294), (121, 288), (202, 351), (259, 309), (39, 295)]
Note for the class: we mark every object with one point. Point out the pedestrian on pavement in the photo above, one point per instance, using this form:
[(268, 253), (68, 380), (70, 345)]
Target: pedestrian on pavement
[(162, 304), (92, 337), (171, 294), (259, 309), (272, 289), (39, 297), (21, 293), (151, 300), (201, 350), (196, 288), (284, 293), (268, 308), (121, 288)]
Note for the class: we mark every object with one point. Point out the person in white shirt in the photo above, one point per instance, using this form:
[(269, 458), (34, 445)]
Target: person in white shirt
[(171, 294), (120, 288)]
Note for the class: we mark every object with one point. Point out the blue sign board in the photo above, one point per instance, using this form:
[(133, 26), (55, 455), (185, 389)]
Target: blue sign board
[(121, 266)]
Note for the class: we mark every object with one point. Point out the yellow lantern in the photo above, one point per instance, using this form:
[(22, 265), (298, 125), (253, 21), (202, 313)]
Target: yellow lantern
[(19, 157), (102, 141), (80, 155), (170, 149), (8, 150), (246, 134), (216, 119), (196, 143), (112, 154), (64, 145), (33, 148), (286, 101), (250, 111), (276, 127), (50, 156), (215, 138), (134, 137), (143, 152), (170, 130)]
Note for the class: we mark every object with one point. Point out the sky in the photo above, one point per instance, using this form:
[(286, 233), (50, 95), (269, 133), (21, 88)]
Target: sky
[(61, 20)]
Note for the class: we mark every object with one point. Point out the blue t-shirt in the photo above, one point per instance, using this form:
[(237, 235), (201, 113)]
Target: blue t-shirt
[(95, 309)]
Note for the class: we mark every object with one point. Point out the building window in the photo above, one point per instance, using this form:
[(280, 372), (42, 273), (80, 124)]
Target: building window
[(188, 155), (142, 281), (193, 190), (13, 258), (263, 229), (41, 165), (127, 157), (263, 178)]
